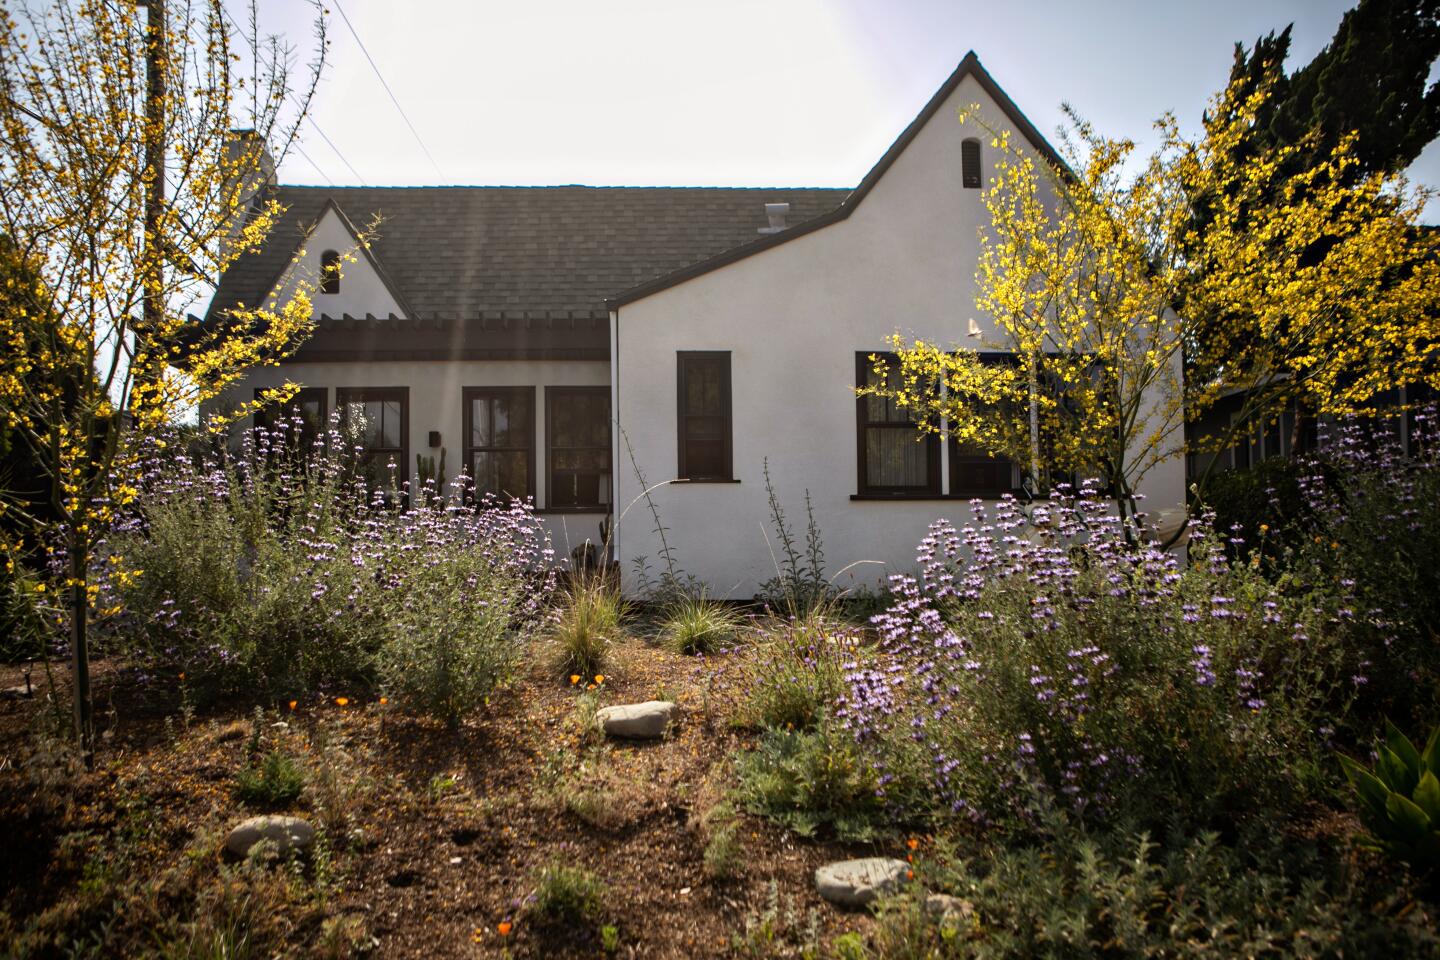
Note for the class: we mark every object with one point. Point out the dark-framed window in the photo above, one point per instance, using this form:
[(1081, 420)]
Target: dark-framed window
[(500, 440), (577, 454), (377, 419), (895, 460), (970, 177), (975, 473), (308, 407), (704, 415), (330, 271)]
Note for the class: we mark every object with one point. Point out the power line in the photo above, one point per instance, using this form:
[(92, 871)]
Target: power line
[(393, 98), (311, 118), (301, 150)]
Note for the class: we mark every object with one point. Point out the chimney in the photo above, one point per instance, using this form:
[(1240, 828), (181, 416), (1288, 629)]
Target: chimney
[(776, 214), (248, 163)]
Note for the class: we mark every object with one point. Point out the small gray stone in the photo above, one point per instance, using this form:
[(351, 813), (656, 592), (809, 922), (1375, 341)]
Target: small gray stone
[(855, 883), (946, 907), (640, 721), (287, 833)]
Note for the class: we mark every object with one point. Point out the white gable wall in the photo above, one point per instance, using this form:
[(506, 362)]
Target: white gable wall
[(361, 289), (793, 318)]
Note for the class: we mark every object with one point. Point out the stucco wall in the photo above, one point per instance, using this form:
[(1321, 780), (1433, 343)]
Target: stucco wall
[(794, 317), (435, 404)]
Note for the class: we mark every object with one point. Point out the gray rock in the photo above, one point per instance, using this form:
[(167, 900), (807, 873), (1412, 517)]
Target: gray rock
[(946, 907), (855, 883), (286, 833), (640, 721)]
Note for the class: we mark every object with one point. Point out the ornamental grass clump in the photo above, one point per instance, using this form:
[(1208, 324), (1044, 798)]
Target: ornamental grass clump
[(1050, 658), (276, 568), (700, 625), (796, 672), (588, 623)]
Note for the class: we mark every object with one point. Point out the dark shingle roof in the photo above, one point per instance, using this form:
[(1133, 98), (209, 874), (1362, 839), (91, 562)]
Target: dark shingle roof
[(461, 251)]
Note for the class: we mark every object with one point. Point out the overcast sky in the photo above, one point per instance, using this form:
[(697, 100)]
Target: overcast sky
[(741, 92)]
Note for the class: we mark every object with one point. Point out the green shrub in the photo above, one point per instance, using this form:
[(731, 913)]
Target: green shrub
[(588, 623), (794, 675), (701, 625), (1400, 801), (277, 569), (276, 782), (1120, 895), (1261, 503), (812, 782), (566, 894)]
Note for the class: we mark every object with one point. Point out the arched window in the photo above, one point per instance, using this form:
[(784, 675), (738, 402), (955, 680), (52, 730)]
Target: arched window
[(970, 164), (330, 272)]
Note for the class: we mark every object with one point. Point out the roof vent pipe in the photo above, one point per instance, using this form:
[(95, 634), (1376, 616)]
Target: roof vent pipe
[(776, 214)]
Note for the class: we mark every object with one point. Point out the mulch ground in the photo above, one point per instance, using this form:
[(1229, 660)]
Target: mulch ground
[(445, 829)]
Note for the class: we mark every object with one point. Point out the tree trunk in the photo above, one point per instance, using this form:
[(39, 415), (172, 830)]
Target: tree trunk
[(80, 648)]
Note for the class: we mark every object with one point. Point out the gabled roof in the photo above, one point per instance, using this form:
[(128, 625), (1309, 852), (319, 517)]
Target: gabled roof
[(969, 67), (461, 252)]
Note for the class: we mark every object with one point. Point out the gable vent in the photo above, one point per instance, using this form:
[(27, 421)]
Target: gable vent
[(776, 213)]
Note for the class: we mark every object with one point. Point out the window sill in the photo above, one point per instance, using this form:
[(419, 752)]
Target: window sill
[(573, 510), (702, 480)]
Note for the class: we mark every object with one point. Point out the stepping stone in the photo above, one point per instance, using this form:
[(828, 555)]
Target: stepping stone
[(638, 721), (287, 833), (855, 883), (946, 907)]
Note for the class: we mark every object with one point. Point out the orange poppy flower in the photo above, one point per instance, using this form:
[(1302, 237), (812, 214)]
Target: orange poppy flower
[(912, 843), (384, 700), (574, 679), (342, 701), (599, 678), (182, 676), (504, 927), (293, 704)]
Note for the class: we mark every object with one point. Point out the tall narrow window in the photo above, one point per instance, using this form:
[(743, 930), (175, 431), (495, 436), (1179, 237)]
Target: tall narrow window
[(974, 472), (303, 417), (500, 440), (970, 164), (894, 458), (330, 272), (577, 430), (376, 419), (704, 415)]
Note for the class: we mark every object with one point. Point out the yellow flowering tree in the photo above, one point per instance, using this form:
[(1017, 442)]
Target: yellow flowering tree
[(1132, 295), (125, 196)]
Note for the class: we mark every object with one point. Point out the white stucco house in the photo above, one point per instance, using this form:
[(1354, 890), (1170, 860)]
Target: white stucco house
[(544, 335)]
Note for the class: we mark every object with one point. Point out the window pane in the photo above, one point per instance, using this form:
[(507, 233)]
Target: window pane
[(704, 387), (503, 473), (480, 431), (704, 427), (972, 473), (895, 458), (705, 457), (390, 420), (512, 422)]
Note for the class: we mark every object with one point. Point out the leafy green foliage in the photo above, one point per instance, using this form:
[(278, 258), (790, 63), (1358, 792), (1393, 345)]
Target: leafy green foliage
[(812, 782), (566, 894), (795, 674), (1399, 802), (1122, 895), (275, 783)]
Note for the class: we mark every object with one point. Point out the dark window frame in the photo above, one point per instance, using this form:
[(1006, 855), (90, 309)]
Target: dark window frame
[(683, 359), (551, 393), (344, 396), (330, 271), (972, 176), (468, 396), (932, 488)]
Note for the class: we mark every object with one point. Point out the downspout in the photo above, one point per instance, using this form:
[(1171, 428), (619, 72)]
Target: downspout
[(614, 545)]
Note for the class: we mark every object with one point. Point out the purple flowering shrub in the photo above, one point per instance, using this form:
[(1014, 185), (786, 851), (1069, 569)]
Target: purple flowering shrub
[(1373, 541), (278, 569), (1045, 659)]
